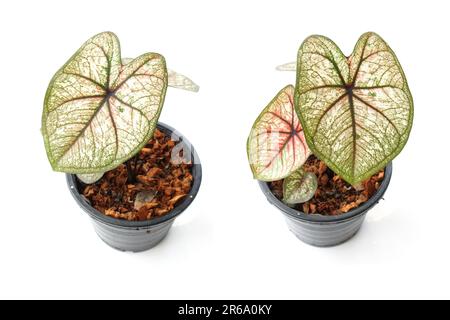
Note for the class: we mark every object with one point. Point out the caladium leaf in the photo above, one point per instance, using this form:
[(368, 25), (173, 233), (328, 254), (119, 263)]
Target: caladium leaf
[(299, 187), (144, 197), (276, 145), (356, 112), (89, 178), (290, 66), (180, 81), (99, 112), (175, 79)]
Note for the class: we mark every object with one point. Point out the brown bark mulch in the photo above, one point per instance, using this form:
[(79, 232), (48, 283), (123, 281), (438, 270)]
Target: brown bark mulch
[(160, 183), (334, 196)]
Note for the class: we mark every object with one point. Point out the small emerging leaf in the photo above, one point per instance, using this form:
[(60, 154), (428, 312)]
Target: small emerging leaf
[(175, 79), (179, 81), (291, 66), (299, 187), (89, 178), (99, 112), (143, 197), (276, 145), (356, 112)]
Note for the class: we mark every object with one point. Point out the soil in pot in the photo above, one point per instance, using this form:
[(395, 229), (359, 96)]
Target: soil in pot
[(334, 196), (148, 185)]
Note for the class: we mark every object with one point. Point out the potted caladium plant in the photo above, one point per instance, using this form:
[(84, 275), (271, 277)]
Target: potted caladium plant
[(322, 150), (130, 173)]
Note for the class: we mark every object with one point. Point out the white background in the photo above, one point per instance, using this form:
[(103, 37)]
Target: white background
[(230, 243)]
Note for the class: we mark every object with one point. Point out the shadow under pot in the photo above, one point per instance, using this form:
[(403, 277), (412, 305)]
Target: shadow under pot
[(326, 231), (139, 236)]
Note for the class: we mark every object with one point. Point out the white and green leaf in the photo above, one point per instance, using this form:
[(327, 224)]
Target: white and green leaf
[(276, 145), (299, 187), (356, 112), (180, 81), (99, 112), (89, 178), (290, 66), (175, 79)]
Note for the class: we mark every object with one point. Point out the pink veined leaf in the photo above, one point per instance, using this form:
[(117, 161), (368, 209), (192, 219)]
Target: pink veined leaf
[(276, 145)]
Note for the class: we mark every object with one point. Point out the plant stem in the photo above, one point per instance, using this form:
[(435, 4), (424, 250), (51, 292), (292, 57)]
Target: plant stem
[(133, 170), (131, 178)]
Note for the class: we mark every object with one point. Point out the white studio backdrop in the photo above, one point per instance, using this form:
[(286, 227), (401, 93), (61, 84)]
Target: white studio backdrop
[(230, 243)]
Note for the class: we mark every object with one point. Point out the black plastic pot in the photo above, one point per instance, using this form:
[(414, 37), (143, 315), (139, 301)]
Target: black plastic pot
[(325, 231), (139, 236)]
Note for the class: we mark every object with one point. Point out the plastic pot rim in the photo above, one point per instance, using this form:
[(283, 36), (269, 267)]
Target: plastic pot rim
[(323, 219), (177, 210)]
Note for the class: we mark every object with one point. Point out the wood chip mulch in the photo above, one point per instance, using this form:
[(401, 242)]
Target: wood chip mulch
[(334, 196), (150, 172)]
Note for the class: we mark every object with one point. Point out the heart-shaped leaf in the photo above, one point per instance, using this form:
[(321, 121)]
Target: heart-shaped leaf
[(98, 112), (276, 145), (356, 112), (299, 187)]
